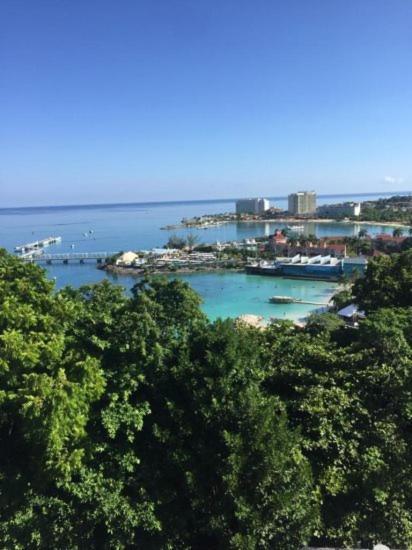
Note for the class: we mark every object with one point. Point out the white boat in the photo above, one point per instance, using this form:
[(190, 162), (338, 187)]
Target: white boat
[(296, 228)]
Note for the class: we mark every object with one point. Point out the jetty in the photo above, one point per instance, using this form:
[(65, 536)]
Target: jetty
[(293, 300), (66, 257), (36, 245)]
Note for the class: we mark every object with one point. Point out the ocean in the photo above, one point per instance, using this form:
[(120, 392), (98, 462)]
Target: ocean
[(116, 227)]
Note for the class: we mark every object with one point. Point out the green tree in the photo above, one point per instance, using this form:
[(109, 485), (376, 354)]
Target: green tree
[(352, 404), (176, 242), (387, 282), (406, 244), (64, 476), (132, 421), (342, 299), (219, 458), (312, 238), (397, 232), (191, 241), (326, 323)]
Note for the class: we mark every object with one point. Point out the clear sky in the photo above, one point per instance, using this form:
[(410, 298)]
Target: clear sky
[(133, 100)]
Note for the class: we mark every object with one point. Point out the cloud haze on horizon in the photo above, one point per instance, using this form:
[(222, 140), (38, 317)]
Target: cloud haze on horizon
[(171, 100)]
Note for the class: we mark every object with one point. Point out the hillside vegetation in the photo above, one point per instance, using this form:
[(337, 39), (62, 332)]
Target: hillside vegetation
[(134, 422)]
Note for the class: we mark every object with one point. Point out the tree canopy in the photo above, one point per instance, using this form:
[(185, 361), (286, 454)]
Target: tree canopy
[(387, 282), (132, 421)]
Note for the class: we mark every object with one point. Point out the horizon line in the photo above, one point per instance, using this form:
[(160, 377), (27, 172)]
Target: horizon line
[(195, 201)]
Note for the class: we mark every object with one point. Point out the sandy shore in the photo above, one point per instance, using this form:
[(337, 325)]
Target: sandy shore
[(299, 221), (324, 220)]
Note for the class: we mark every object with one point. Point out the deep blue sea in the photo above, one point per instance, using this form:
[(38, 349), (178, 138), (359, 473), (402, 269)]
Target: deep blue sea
[(135, 226)]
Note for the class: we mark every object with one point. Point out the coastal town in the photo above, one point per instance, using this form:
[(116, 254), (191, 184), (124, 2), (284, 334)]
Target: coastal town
[(206, 275), (302, 207), (289, 251)]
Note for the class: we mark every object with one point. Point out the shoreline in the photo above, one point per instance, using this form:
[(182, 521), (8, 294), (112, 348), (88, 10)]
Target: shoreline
[(287, 220), (264, 320), (137, 272)]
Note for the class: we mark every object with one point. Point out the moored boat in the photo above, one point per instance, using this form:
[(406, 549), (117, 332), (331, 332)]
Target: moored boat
[(282, 300), (296, 228)]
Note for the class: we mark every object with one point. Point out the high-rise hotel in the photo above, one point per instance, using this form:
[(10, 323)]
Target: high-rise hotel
[(252, 206), (302, 202)]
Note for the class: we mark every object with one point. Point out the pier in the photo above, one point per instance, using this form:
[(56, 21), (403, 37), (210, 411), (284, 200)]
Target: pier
[(293, 300), (36, 245), (66, 257)]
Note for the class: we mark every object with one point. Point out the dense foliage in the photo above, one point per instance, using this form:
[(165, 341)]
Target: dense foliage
[(133, 421), (391, 209), (388, 282)]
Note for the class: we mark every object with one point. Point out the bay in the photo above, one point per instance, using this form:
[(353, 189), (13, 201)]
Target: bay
[(112, 228)]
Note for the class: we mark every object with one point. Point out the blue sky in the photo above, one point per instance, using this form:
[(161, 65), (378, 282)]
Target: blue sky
[(133, 100)]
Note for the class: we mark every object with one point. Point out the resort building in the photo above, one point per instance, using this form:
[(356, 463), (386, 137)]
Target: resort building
[(130, 259), (302, 202), (341, 210), (336, 250), (387, 238), (127, 259), (351, 314), (278, 238), (324, 267), (355, 266), (279, 244), (252, 206), (165, 252)]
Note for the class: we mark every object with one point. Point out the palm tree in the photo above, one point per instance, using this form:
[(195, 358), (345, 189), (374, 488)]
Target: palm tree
[(397, 232), (191, 241), (410, 231), (362, 233)]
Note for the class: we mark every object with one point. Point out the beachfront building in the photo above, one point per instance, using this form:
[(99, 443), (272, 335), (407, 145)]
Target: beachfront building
[(130, 259), (277, 239), (326, 267), (355, 266), (302, 202), (252, 206), (127, 259), (165, 252), (351, 314), (341, 210), (182, 259), (336, 250)]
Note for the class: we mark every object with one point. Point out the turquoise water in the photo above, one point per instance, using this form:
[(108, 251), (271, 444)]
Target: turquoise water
[(234, 294), (224, 294), (137, 226)]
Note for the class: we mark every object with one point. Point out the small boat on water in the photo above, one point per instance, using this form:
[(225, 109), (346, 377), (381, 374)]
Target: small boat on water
[(296, 228), (283, 300)]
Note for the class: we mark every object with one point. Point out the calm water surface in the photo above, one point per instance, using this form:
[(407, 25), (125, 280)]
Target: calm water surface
[(138, 226)]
